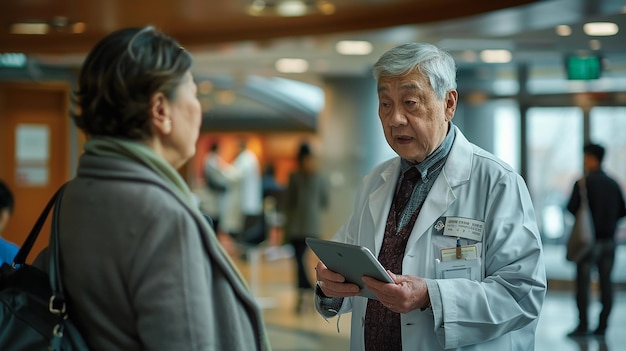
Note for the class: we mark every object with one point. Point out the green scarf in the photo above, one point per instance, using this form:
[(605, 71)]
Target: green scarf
[(141, 153)]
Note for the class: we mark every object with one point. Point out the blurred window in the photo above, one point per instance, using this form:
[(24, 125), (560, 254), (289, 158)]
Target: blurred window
[(507, 133), (554, 145)]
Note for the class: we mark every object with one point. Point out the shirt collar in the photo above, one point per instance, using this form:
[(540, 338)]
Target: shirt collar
[(440, 153)]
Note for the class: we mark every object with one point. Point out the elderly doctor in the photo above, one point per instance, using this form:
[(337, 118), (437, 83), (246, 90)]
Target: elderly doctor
[(453, 225)]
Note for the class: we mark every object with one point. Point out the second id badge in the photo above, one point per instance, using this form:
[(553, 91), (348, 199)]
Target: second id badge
[(458, 262), (464, 269)]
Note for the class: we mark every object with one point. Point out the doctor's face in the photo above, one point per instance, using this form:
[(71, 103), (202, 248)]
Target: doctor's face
[(414, 119)]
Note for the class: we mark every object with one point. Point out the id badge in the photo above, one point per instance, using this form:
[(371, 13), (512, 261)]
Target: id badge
[(463, 269)]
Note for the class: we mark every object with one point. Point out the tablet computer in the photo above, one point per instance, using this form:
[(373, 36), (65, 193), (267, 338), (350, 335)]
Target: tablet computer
[(351, 261)]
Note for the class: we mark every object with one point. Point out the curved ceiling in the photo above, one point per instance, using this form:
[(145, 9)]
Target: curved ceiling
[(226, 41), (259, 104), (198, 23)]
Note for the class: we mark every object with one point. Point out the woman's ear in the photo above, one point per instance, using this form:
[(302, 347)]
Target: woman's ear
[(160, 113)]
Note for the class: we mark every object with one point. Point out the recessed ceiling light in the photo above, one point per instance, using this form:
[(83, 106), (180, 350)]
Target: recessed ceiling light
[(291, 8), (563, 30), (496, 56), (326, 7), (353, 47), (290, 65), (34, 28), (600, 28)]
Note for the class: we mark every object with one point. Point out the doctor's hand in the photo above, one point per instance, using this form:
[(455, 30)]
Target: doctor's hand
[(406, 294), (334, 284)]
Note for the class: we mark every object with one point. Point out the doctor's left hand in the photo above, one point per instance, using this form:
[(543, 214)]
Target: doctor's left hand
[(406, 294)]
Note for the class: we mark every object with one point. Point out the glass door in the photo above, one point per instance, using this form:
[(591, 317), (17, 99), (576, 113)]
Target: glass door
[(554, 145)]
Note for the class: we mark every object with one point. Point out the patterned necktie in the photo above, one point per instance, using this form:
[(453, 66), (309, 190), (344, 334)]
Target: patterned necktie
[(405, 191), (382, 326)]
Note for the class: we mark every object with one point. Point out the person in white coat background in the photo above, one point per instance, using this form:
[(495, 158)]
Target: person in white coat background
[(250, 193), (453, 225)]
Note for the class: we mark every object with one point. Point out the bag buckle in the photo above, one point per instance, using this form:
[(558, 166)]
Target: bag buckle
[(52, 306)]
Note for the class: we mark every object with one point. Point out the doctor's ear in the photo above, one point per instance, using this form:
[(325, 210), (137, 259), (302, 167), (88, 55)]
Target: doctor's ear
[(450, 101)]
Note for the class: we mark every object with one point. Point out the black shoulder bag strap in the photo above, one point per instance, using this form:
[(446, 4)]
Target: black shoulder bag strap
[(20, 258)]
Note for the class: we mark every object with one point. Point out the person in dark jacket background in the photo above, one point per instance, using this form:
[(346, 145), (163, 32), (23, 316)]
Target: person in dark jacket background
[(305, 198), (606, 203)]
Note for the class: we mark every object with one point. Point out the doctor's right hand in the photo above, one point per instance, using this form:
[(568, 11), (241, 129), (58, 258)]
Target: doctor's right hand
[(334, 284)]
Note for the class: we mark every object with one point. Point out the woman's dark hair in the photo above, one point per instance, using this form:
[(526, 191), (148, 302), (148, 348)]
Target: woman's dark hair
[(119, 76), (6, 197)]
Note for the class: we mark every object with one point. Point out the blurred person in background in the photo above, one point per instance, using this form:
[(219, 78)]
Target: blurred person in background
[(453, 225), (246, 168), (8, 250), (305, 199), (141, 265), (217, 183), (273, 207), (606, 203)]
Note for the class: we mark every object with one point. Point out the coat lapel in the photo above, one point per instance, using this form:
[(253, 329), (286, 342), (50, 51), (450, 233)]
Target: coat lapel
[(380, 201)]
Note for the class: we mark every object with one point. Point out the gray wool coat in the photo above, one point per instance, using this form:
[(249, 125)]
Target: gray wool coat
[(143, 272)]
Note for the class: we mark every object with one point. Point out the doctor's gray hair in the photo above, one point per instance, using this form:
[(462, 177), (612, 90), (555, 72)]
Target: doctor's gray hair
[(431, 61)]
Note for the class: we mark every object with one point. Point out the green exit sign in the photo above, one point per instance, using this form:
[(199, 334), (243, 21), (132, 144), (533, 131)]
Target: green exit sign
[(12, 60), (583, 67)]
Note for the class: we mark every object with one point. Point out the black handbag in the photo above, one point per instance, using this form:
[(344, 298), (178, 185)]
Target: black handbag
[(33, 311), (581, 239)]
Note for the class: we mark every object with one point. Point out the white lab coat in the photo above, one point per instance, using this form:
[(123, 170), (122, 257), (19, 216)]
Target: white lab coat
[(247, 167), (498, 313)]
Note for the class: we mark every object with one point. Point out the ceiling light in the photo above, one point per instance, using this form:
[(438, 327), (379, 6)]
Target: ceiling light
[(256, 7), (287, 65), (354, 47), (599, 29), (564, 30), (34, 28), (495, 56), (290, 8), (326, 7)]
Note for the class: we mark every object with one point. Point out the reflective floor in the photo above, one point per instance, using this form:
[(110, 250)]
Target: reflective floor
[(271, 279)]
